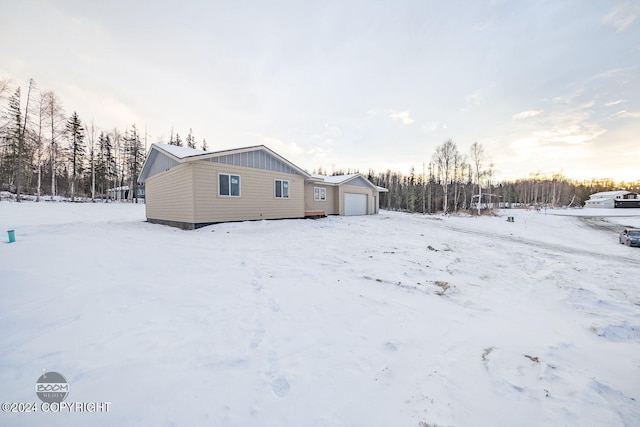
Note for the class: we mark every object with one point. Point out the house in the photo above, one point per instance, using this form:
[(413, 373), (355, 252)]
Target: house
[(613, 199), (190, 188)]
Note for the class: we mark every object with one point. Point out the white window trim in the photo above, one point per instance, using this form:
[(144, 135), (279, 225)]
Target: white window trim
[(281, 188), (319, 199), (239, 184)]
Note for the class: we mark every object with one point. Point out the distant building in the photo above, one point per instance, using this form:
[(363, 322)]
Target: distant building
[(122, 193), (613, 199)]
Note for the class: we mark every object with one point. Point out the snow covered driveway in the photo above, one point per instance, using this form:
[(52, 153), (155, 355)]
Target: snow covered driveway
[(386, 320)]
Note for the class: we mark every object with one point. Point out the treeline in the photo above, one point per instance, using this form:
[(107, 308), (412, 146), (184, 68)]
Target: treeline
[(44, 150), (452, 181), (412, 193)]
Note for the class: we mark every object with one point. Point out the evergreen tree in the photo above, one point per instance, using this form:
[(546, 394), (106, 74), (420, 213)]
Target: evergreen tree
[(75, 134), (105, 163), (24, 159), (135, 158), (11, 136), (172, 140), (204, 145), (17, 154), (191, 141)]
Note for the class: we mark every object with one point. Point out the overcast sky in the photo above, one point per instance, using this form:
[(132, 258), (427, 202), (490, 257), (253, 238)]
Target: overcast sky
[(545, 86)]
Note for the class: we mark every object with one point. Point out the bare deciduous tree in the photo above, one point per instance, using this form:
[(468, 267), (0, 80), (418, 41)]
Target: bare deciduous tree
[(4, 87), (42, 115), (477, 163), (444, 160), (91, 145), (56, 120)]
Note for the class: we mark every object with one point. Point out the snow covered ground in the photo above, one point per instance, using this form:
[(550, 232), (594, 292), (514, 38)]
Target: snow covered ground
[(386, 320)]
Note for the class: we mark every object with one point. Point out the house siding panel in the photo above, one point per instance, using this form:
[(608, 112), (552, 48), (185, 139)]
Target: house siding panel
[(169, 195), (257, 198), (161, 163), (157, 163), (330, 206), (257, 159)]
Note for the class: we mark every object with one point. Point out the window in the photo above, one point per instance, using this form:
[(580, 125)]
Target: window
[(282, 189), (319, 194), (229, 185)]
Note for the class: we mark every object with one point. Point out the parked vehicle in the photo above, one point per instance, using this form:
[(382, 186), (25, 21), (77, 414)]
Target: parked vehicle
[(630, 237)]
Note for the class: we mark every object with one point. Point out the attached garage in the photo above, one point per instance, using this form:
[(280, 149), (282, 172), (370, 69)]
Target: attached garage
[(355, 204), (342, 195)]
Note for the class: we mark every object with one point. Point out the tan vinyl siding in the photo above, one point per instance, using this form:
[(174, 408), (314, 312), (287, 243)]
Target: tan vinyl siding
[(355, 189), (257, 197), (169, 195), (329, 206)]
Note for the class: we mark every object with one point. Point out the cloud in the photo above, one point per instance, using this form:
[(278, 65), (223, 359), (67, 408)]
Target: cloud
[(622, 16), (571, 125), (403, 116), (430, 127), (475, 98), (481, 26), (278, 145), (305, 157), (529, 142), (319, 153), (526, 114), (567, 123), (625, 114), (612, 103)]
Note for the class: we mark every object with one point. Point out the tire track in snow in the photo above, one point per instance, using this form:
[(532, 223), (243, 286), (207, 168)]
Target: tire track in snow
[(543, 245), (601, 224)]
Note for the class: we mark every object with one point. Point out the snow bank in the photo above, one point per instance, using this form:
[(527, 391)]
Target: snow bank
[(392, 319)]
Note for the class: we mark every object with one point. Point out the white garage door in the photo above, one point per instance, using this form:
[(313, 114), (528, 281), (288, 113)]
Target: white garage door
[(355, 204)]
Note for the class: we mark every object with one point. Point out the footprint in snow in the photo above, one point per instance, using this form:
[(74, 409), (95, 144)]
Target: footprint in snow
[(278, 383), (274, 305), (257, 287), (256, 339), (389, 346), (280, 386)]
